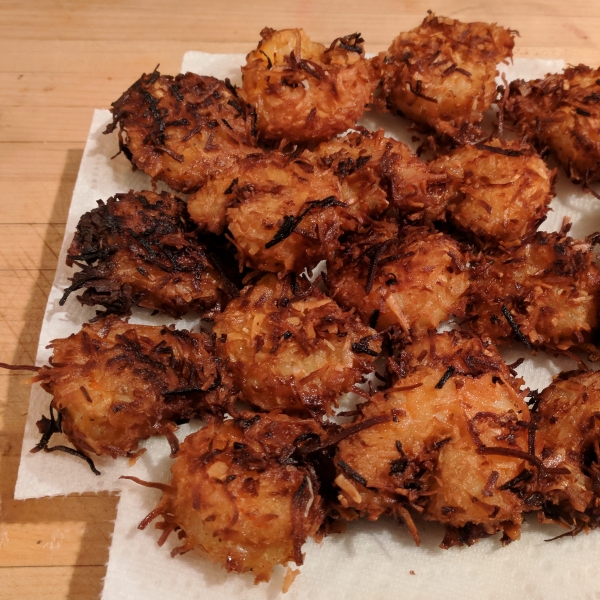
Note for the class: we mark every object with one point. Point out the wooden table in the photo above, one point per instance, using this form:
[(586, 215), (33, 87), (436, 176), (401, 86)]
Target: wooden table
[(59, 60)]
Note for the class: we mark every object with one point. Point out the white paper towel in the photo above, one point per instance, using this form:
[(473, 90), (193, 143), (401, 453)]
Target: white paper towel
[(370, 560)]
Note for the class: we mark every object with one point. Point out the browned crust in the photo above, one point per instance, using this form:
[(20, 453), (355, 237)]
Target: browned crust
[(182, 129), (141, 249)]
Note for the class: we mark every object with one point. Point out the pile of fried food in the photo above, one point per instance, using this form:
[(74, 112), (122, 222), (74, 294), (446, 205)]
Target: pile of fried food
[(275, 177)]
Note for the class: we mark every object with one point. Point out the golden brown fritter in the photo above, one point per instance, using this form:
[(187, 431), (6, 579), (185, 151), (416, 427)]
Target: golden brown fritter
[(291, 347), (544, 293), (241, 494), (114, 384), (304, 91), (414, 279), (562, 113), (140, 249), (450, 445), (442, 73), (183, 129), (500, 190), (284, 214), (375, 170), (568, 421)]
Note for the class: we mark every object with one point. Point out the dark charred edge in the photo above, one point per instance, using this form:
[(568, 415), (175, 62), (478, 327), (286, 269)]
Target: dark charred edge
[(336, 438), (495, 150), (405, 388), (19, 367), (468, 535), (376, 253), (417, 92), (299, 502), (344, 466), (575, 531), (374, 318), (520, 335), (47, 427), (229, 190), (230, 288), (524, 475), (290, 223), (74, 452), (454, 68), (269, 63), (183, 391), (349, 42), (534, 401), (172, 441), (442, 382), (85, 393), (310, 67), (587, 187), (362, 346)]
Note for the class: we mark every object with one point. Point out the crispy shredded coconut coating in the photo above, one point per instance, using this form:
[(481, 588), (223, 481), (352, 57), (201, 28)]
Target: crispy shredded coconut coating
[(438, 452), (114, 384), (499, 191), (376, 170), (183, 129), (304, 91), (140, 249), (562, 113), (284, 213), (414, 279), (242, 494), (568, 421), (543, 293), (442, 73), (291, 347)]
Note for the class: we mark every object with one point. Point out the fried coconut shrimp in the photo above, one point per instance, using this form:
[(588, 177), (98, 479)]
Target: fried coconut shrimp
[(414, 279), (500, 191), (304, 91), (381, 171), (114, 384), (568, 414), (284, 214), (242, 494), (442, 73), (140, 249), (452, 448), (544, 293), (291, 347), (183, 129), (562, 113)]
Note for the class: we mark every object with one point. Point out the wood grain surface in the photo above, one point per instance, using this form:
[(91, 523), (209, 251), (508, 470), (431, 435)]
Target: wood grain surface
[(58, 61)]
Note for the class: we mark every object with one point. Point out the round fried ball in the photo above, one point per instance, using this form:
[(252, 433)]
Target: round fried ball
[(304, 91), (376, 171), (140, 249), (291, 347), (238, 497), (561, 112), (568, 422), (183, 129), (446, 450), (442, 73), (414, 280), (114, 384), (499, 191), (284, 214), (543, 293)]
